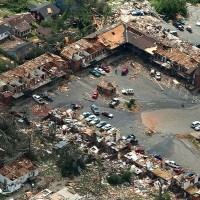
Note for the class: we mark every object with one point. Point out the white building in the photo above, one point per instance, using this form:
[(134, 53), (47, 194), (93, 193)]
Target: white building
[(15, 174), (5, 31)]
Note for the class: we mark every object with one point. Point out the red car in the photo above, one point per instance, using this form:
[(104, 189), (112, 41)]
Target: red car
[(139, 149), (178, 171), (105, 68), (107, 114), (124, 71), (95, 94)]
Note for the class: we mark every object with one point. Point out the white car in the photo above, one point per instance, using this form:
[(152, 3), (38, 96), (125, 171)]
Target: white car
[(195, 124), (95, 121), (38, 99), (158, 76), (106, 127), (152, 72), (90, 118), (101, 71), (111, 130), (197, 128), (172, 163), (128, 91), (198, 23)]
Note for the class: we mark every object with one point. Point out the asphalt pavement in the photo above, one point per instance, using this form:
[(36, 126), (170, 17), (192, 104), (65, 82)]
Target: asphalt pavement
[(152, 99)]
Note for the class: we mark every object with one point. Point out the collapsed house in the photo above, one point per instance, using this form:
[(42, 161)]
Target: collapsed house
[(12, 176), (107, 88), (32, 74)]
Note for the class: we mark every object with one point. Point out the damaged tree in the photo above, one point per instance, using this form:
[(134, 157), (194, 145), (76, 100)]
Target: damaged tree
[(71, 161), (14, 142)]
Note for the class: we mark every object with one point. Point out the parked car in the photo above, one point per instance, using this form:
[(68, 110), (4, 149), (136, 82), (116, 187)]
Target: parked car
[(95, 109), (197, 128), (100, 70), (139, 149), (198, 23), (95, 94), (95, 73), (100, 124), (38, 99), (178, 25), (189, 29), (128, 91), (158, 76), (105, 68), (172, 163), (86, 114), (124, 71), (95, 121), (190, 174), (115, 102), (132, 139), (194, 124), (107, 114), (47, 97), (197, 45), (76, 106), (152, 72), (90, 118), (111, 130), (106, 127), (179, 171), (157, 156)]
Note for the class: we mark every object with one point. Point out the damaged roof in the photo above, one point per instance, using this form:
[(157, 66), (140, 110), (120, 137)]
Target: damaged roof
[(47, 9), (28, 67), (88, 45), (21, 22), (17, 169), (110, 37), (139, 39), (177, 56), (113, 38)]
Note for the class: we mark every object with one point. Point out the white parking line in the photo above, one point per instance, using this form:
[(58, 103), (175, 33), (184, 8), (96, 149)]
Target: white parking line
[(159, 84)]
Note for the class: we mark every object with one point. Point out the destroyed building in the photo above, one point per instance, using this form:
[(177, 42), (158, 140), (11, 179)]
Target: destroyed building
[(104, 42), (33, 74), (12, 176), (107, 88), (95, 47)]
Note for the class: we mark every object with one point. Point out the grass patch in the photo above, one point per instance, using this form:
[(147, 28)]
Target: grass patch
[(132, 105), (5, 11), (193, 140)]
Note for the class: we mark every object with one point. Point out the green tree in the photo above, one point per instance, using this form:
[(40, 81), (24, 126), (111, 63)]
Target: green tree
[(16, 6), (170, 8)]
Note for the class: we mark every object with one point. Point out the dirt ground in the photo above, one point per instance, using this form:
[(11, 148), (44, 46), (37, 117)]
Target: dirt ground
[(174, 121)]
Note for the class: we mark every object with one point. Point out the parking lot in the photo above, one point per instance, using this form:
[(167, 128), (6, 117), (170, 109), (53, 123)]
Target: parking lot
[(160, 107), (193, 18)]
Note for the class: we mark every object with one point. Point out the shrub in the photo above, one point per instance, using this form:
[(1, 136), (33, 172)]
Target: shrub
[(114, 179), (132, 101), (126, 176)]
